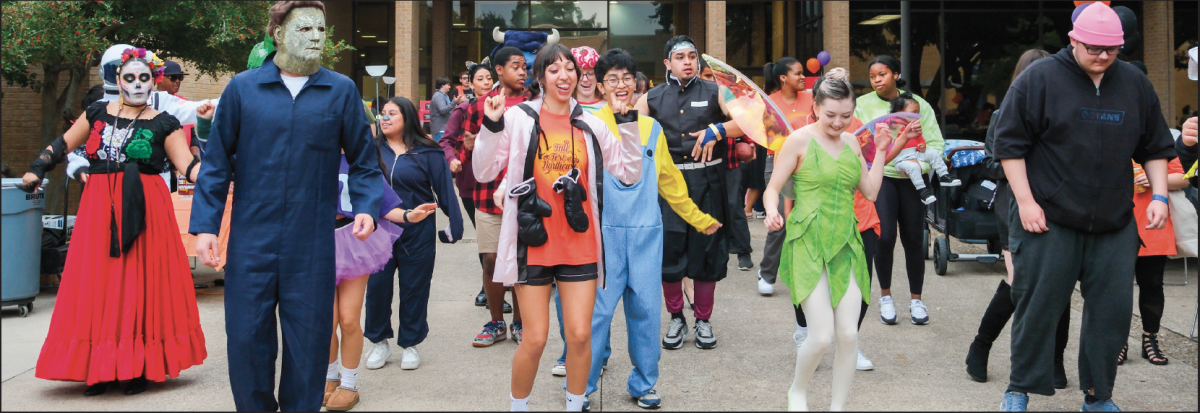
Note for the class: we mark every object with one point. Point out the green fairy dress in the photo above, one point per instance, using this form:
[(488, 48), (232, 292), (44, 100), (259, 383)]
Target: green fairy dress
[(822, 230)]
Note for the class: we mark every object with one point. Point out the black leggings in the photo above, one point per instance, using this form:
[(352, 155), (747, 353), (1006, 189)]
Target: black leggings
[(870, 247), (1148, 271), (900, 203), (469, 207)]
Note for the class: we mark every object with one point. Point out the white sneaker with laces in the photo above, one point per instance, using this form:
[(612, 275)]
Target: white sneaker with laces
[(411, 359), (764, 287), (559, 370), (378, 354), (918, 312), (887, 310), (864, 364)]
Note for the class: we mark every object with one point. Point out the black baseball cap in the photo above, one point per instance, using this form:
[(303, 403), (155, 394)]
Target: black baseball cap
[(172, 68)]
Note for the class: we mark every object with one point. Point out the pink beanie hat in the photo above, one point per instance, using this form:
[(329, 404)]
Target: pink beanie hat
[(1098, 25), (587, 57)]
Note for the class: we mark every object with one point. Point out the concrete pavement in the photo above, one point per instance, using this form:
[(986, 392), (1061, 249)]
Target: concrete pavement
[(916, 367)]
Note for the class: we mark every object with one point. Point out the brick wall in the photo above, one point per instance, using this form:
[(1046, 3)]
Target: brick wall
[(408, 26), (836, 31), (714, 34), (1158, 28)]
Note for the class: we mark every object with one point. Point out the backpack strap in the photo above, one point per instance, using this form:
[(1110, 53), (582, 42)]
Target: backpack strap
[(597, 156), (534, 137)]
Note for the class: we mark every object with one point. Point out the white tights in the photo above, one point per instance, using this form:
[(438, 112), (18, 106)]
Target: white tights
[(823, 322)]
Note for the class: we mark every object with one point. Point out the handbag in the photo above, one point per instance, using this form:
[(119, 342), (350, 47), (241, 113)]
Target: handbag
[(1183, 220)]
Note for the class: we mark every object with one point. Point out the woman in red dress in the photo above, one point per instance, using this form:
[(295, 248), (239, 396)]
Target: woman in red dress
[(126, 307)]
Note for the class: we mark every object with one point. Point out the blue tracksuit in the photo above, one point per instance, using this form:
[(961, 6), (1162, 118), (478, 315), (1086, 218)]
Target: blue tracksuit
[(420, 176), (281, 250)]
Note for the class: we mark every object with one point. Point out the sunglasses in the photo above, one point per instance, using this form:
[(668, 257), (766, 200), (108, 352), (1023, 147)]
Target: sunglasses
[(175, 78), (1096, 50)]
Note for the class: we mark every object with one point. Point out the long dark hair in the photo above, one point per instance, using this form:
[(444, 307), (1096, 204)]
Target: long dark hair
[(412, 135), (547, 56), (1026, 59), (772, 72)]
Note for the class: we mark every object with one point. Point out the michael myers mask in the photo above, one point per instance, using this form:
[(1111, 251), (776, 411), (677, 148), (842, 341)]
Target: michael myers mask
[(135, 81), (299, 41)]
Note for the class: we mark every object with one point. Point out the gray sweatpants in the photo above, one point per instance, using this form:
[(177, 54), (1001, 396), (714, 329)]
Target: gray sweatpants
[(768, 269), (913, 169), (1045, 269)]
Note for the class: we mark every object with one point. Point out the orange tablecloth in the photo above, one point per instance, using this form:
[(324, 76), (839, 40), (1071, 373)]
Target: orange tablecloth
[(183, 216)]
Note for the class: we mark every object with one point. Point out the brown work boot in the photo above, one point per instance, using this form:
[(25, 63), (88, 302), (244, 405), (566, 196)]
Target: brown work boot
[(330, 385), (343, 399)]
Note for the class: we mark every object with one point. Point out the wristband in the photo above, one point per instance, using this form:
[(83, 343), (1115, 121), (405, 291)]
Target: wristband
[(404, 216), (1158, 197), (187, 174), (713, 131)]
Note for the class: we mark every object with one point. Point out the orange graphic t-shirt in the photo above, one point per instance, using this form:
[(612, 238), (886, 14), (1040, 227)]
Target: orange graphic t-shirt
[(558, 152)]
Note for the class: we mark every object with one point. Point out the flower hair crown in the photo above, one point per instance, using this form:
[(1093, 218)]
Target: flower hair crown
[(157, 66)]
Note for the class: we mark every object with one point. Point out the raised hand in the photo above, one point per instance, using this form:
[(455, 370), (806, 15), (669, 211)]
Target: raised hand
[(206, 110), (1189, 131), (493, 107), (883, 137)]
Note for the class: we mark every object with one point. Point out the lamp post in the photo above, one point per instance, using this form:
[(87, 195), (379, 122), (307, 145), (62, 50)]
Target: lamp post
[(376, 71), (388, 80)]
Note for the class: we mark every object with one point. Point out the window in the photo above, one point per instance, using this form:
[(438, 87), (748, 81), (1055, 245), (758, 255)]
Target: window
[(642, 28)]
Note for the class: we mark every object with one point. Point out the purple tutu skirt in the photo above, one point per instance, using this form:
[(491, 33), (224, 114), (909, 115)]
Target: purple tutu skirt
[(355, 258)]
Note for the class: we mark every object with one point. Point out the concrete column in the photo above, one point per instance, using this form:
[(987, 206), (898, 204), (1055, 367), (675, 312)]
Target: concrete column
[(1158, 26), (714, 34), (836, 31), (408, 27)]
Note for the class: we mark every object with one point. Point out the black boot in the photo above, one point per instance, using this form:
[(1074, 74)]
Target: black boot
[(998, 312), (98, 388), (135, 386)]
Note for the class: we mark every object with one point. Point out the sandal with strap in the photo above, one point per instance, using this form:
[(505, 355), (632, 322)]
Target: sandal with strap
[(1150, 350), (1124, 355)]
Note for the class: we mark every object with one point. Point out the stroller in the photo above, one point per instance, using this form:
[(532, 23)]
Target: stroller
[(964, 212)]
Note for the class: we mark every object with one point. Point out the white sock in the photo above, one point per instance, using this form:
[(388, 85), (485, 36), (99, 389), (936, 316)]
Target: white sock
[(349, 378), (574, 402), (333, 371), (803, 330), (519, 405)]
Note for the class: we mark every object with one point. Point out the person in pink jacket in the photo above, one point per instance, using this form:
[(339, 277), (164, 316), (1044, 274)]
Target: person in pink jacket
[(554, 153)]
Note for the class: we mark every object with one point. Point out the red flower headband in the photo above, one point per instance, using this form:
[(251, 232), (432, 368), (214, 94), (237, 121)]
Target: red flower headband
[(157, 67)]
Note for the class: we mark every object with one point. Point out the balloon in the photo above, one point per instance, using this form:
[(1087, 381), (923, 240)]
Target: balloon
[(1078, 10), (1106, 3), (823, 58), (813, 65)]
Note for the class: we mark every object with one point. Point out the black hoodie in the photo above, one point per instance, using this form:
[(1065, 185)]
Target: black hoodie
[(1077, 139)]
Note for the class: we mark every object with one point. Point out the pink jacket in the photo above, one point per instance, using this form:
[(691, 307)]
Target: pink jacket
[(494, 151)]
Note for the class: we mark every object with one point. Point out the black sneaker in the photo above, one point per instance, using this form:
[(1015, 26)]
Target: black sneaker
[(744, 262), (676, 332), (946, 180), (705, 339), (927, 196), (481, 299)]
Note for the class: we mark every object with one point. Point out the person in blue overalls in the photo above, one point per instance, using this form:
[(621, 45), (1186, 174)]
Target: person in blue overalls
[(632, 225), (285, 121), (416, 168)]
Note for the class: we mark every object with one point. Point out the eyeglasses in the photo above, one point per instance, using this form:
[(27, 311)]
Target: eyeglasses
[(1096, 50), (612, 81), (586, 75)]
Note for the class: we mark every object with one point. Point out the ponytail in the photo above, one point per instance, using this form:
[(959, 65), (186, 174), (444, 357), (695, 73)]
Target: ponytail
[(772, 72)]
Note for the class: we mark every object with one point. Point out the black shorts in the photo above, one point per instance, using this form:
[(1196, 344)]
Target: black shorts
[(541, 275), (1002, 210)]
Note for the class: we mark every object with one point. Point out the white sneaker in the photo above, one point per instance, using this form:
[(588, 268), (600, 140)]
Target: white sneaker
[(378, 354), (559, 370), (764, 287), (800, 335), (411, 359), (918, 312), (887, 310), (864, 364)]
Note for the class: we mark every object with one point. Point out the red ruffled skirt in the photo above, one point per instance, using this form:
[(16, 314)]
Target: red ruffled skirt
[(125, 317)]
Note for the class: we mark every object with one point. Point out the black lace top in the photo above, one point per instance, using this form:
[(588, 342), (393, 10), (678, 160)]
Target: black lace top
[(113, 140)]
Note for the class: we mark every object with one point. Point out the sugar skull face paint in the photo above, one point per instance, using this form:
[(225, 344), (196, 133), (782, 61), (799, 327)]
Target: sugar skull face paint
[(300, 40), (135, 81)]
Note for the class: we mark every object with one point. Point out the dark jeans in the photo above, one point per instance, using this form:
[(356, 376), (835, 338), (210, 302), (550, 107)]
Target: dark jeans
[(739, 242), (870, 244), (1148, 271), (899, 203), (1047, 266), (412, 265)]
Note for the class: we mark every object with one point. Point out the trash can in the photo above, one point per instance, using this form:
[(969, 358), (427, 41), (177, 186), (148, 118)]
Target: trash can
[(21, 245)]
